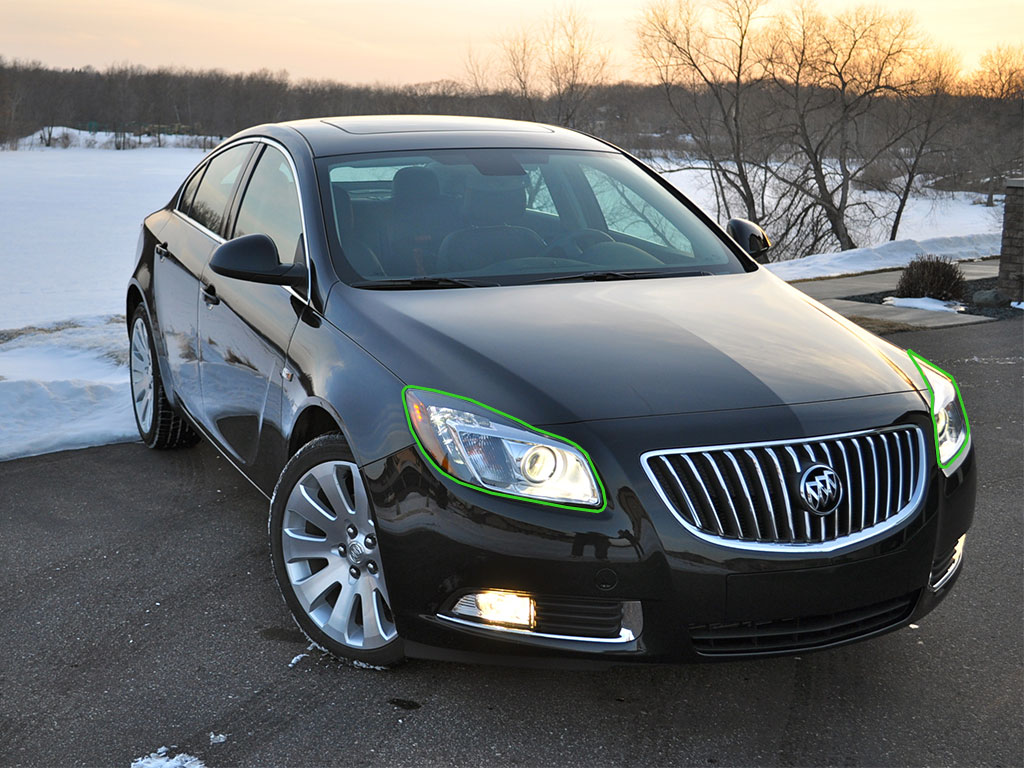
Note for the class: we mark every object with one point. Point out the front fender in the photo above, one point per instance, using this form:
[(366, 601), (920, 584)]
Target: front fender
[(331, 371)]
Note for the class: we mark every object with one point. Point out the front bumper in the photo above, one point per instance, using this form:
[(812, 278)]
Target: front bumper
[(697, 601)]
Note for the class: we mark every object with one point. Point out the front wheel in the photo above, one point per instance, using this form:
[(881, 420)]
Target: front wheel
[(326, 556)]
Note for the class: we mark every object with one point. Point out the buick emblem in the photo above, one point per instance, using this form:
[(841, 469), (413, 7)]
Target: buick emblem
[(820, 489), (356, 553)]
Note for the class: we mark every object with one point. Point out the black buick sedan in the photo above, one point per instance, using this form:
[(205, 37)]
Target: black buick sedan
[(511, 394)]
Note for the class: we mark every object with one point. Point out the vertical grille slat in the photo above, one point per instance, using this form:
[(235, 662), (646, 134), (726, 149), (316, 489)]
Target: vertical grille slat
[(848, 480), (746, 494), (911, 469), (899, 467), (863, 486), (833, 520), (765, 494), (806, 514), (750, 494), (887, 474), (876, 486), (733, 514), (707, 495), (780, 475)]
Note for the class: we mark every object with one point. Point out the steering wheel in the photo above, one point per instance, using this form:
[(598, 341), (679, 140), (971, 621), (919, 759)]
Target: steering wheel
[(573, 244)]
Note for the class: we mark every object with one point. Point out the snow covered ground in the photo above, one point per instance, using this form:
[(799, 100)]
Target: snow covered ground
[(163, 759), (924, 302), (928, 215), (69, 223), (891, 255)]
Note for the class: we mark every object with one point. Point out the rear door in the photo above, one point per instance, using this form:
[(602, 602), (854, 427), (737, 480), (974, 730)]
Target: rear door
[(244, 327), (195, 229)]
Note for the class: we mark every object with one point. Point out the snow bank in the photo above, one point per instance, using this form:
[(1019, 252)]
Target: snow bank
[(160, 759), (64, 386), (890, 255), (924, 302)]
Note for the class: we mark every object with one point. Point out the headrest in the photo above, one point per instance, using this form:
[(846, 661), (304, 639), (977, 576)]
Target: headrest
[(343, 210), (413, 186), (494, 200)]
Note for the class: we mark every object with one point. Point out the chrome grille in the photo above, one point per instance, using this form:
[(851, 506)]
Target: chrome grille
[(747, 495)]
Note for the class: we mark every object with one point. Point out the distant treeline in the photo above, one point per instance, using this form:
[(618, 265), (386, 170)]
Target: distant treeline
[(819, 128)]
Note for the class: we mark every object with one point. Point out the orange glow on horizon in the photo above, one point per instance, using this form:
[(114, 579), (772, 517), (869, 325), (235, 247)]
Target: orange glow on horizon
[(392, 41)]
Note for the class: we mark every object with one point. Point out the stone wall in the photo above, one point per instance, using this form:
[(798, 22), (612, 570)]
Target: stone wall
[(1011, 258)]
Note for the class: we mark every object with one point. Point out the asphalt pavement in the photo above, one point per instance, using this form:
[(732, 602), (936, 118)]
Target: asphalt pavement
[(138, 610)]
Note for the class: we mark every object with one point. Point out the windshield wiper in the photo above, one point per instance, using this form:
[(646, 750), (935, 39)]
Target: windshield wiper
[(620, 274), (421, 282)]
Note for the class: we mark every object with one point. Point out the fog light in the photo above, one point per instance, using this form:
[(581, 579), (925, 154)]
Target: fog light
[(939, 580), (497, 607)]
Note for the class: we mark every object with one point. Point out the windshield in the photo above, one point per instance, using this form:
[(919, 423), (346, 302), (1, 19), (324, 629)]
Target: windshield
[(454, 218)]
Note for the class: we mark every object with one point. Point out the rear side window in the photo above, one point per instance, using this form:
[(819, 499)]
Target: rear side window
[(190, 191), (211, 201), (271, 205)]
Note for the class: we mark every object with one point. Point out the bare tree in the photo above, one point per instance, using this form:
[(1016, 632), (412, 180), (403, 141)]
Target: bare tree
[(478, 73), (518, 72), (1001, 73), (922, 116), (573, 64), (711, 69), (551, 74), (831, 75)]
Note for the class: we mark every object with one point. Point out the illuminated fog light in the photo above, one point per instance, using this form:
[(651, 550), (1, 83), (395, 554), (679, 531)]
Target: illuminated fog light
[(497, 607), (539, 464)]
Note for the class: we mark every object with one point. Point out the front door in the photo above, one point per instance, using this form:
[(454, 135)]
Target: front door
[(245, 327)]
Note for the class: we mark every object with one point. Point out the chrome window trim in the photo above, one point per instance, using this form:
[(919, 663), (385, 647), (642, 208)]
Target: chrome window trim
[(843, 542), (625, 633), (302, 209)]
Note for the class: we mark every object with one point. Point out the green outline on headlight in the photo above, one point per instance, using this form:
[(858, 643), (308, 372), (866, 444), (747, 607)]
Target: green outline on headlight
[(914, 357), (516, 497)]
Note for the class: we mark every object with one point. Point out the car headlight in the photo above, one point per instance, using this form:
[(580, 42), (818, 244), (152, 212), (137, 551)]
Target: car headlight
[(491, 451), (949, 416)]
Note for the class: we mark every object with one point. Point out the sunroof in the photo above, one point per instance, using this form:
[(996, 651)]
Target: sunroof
[(429, 124)]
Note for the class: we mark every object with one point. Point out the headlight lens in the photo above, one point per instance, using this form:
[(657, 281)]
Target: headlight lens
[(951, 426), (486, 449)]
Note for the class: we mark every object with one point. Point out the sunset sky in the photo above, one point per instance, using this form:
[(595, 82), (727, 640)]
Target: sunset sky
[(388, 41)]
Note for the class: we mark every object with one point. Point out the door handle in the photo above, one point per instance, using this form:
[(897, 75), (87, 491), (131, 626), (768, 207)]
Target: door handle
[(160, 249), (210, 295)]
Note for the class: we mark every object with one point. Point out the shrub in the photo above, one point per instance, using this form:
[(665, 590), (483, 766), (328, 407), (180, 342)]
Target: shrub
[(932, 276)]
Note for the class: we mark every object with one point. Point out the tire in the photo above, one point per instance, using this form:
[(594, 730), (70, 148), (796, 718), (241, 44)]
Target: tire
[(326, 556), (160, 426)]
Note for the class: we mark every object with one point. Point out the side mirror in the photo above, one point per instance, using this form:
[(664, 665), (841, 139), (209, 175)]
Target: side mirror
[(750, 237), (254, 258)]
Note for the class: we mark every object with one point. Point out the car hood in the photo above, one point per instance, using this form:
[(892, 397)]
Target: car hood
[(566, 352)]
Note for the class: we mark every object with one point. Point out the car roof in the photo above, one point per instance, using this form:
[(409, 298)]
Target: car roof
[(382, 133)]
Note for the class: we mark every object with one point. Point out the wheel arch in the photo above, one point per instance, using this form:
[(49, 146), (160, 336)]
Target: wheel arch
[(133, 299), (316, 418)]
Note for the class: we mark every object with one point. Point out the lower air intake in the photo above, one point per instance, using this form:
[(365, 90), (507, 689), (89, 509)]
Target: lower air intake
[(786, 635)]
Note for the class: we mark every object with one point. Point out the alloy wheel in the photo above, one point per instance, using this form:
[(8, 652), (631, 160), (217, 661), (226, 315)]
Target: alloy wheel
[(331, 557), (143, 385)]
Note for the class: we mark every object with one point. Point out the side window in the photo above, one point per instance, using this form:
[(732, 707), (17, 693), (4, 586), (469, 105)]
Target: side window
[(185, 202), (538, 198), (271, 205), (211, 200), (628, 213)]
